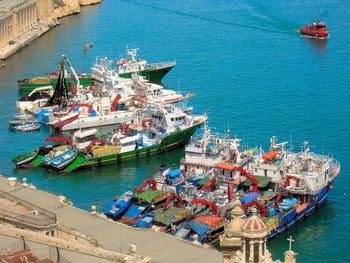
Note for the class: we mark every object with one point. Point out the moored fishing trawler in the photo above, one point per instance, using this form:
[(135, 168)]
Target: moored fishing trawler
[(125, 68), (284, 186), (152, 72), (155, 129), (112, 100), (202, 155), (27, 85)]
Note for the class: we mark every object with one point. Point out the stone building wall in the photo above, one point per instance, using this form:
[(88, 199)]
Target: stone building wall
[(6, 28), (25, 16), (45, 9), (21, 21), (17, 19)]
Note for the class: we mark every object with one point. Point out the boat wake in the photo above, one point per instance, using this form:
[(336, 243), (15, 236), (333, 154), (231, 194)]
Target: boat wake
[(208, 18)]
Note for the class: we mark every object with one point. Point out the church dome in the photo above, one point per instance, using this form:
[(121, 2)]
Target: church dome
[(254, 227)]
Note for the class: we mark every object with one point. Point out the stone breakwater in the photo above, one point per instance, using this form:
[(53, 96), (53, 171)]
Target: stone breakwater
[(25, 20), (69, 7)]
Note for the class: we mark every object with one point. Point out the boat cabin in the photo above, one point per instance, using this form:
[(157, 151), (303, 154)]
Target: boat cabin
[(81, 139), (132, 64)]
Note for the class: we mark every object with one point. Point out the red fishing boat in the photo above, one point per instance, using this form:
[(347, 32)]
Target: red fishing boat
[(316, 29)]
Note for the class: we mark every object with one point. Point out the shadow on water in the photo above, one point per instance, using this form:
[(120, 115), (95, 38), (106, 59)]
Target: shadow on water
[(208, 18), (318, 44), (305, 233)]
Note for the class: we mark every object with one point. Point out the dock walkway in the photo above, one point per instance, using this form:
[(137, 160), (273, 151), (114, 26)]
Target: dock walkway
[(113, 235)]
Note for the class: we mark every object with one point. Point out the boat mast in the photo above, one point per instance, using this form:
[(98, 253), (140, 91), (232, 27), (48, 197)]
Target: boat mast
[(60, 96)]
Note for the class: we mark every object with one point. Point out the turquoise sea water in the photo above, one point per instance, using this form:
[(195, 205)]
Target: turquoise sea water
[(251, 72)]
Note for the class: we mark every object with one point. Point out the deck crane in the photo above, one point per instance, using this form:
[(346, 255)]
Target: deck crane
[(213, 206), (286, 183), (74, 73), (229, 167), (151, 182), (177, 203)]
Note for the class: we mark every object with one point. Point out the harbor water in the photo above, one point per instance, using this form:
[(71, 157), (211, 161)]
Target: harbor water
[(251, 71)]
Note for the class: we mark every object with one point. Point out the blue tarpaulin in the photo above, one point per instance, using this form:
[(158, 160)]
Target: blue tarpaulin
[(146, 220), (174, 173), (199, 227), (249, 198), (40, 116), (134, 211)]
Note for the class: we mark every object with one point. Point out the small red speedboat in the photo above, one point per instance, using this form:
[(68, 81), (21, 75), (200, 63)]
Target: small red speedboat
[(316, 29)]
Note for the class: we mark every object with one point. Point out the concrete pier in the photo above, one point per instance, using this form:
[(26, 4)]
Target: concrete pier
[(113, 235)]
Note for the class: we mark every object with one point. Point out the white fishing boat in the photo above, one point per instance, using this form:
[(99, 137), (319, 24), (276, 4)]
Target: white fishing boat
[(24, 117), (202, 156), (35, 99), (156, 93), (126, 67), (26, 127)]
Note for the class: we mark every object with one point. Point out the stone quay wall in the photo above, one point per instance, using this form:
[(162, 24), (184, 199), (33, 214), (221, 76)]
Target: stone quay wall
[(21, 21)]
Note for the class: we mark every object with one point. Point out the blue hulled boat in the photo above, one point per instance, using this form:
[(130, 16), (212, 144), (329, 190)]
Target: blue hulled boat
[(118, 206), (62, 161)]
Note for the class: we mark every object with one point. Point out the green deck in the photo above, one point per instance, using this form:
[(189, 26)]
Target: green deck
[(38, 160), (149, 196), (171, 214), (77, 162)]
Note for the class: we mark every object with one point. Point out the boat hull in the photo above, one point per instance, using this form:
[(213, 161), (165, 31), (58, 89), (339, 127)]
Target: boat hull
[(97, 121), (64, 162), (59, 124), (27, 87), (313, 33), (25, 158), (176, 139), (154, 72), (292, 217)]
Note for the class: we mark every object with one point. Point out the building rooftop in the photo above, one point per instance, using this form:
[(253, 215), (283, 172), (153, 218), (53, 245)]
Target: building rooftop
[(10, 3), (113, 235)]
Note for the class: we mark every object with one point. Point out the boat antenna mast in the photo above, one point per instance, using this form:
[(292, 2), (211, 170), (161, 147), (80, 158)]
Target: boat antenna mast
[(205, 136), (228, 135), (132, 53)]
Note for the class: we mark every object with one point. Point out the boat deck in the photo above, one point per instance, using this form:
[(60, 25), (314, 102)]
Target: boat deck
[(115, 236)]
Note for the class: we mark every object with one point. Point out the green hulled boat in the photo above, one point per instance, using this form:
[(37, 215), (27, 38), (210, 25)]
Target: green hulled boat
[(124, 67), (27, 85), (26, 157), (102, 155), (155, 130), (152, 72)]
